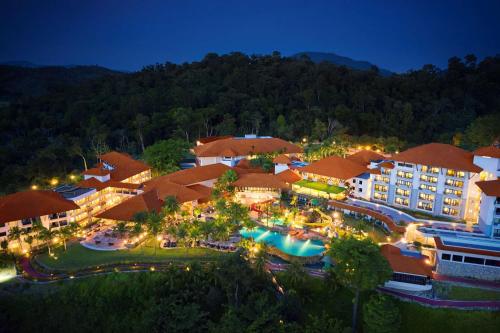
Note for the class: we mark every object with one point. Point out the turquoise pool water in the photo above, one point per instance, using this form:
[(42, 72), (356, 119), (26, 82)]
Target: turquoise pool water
[(286, 244)]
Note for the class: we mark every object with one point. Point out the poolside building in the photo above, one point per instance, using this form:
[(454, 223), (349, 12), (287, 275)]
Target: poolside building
[(433, 178), (22, 209), (411, 270), (331, 177), (252, 188), (231, 150), (471, 257)]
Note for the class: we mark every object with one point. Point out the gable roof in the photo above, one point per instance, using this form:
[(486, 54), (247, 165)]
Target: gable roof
[(182, 193), (439, 155), (262, 180), (98, 185), (124, 165), (386, 165), (489, 151), (33, 203), (97, 171), (125, 211), (282, 159), (288, 176), (192, 176), (490, 187), (403, 263), (364, 157), (209, 139), (245, 146), (336, 167)]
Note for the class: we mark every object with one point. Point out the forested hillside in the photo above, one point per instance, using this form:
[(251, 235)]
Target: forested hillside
[(236, 94)]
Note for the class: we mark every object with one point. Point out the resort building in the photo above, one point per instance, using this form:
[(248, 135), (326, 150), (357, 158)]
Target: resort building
[(21, 209), (115, 178), (331, 177), (434, 178), (411, 270), (231, 150), (254, 188), (472, 257)]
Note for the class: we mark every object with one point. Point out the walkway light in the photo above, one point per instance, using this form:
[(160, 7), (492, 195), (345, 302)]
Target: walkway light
[(388, 239), (34, 187), (304, 139), (72, 177), (54, 181)]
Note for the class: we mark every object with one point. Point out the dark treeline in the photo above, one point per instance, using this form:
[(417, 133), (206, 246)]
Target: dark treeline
[(236, 94)]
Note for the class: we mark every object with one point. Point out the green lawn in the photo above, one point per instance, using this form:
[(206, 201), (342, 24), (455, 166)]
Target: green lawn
[(79, 257), (332, 189), (375, 233), (473, 294)]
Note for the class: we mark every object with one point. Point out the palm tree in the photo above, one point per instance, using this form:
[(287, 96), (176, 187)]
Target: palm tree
[(46, 236), (296, 274), (261, 259), (171, 208), (15, 233), (29, 240), (154, 225), (36, 227), (64, 234), (121, 228)]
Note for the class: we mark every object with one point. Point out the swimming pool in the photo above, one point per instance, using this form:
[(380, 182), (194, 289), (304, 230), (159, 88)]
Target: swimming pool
[(286, 244)]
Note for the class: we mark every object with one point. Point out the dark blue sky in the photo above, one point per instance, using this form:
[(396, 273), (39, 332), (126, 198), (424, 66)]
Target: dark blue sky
[(129, 34)]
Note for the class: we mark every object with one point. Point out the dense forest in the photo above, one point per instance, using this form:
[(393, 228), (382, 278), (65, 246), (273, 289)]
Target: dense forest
[(45, 136)]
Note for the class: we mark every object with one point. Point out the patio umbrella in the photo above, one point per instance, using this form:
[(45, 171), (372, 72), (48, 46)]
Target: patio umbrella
[(315, 202)]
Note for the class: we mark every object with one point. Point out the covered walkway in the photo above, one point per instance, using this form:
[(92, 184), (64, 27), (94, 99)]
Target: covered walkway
[(388, 220)]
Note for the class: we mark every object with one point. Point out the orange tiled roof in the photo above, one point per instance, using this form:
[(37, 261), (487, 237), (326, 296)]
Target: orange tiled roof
[(205, 191), (441, 246), (98, 185), (375, 171), (193, 175), (125, 166), (364, 157), (386, 165), (209, 139), (288, 176), (166, 188), (26, 204), (405, 264), (282, 159), (262, 180), (336, 167), (125, 211), (489, 151), (490, 187), (242, 171), (439, 155), (245, 146), (97, 171)]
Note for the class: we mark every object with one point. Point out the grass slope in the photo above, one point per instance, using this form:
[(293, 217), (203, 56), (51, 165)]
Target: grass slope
[(79, 257)]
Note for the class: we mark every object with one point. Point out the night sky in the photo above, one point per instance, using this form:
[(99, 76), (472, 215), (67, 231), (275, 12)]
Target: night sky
[(126, 35)]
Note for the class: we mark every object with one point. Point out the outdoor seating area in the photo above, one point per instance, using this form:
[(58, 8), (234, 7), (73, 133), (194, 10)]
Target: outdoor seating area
[(103, 237), (230, 245)]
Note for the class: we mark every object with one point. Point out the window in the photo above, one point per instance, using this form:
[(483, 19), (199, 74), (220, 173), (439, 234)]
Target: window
[(451, 202), (425, 205), (404, 193), (474, 260), (380, 188), (446, 256), (354, 181), (425, 196), (403, 183), (491, 262), (360, 182), (457, 258), (405, 165), (2, 234), (402, 201), (427, 187), (454, 183), (454, 192), (404, 174), (360, 189), (450, 211), (428, 179)]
